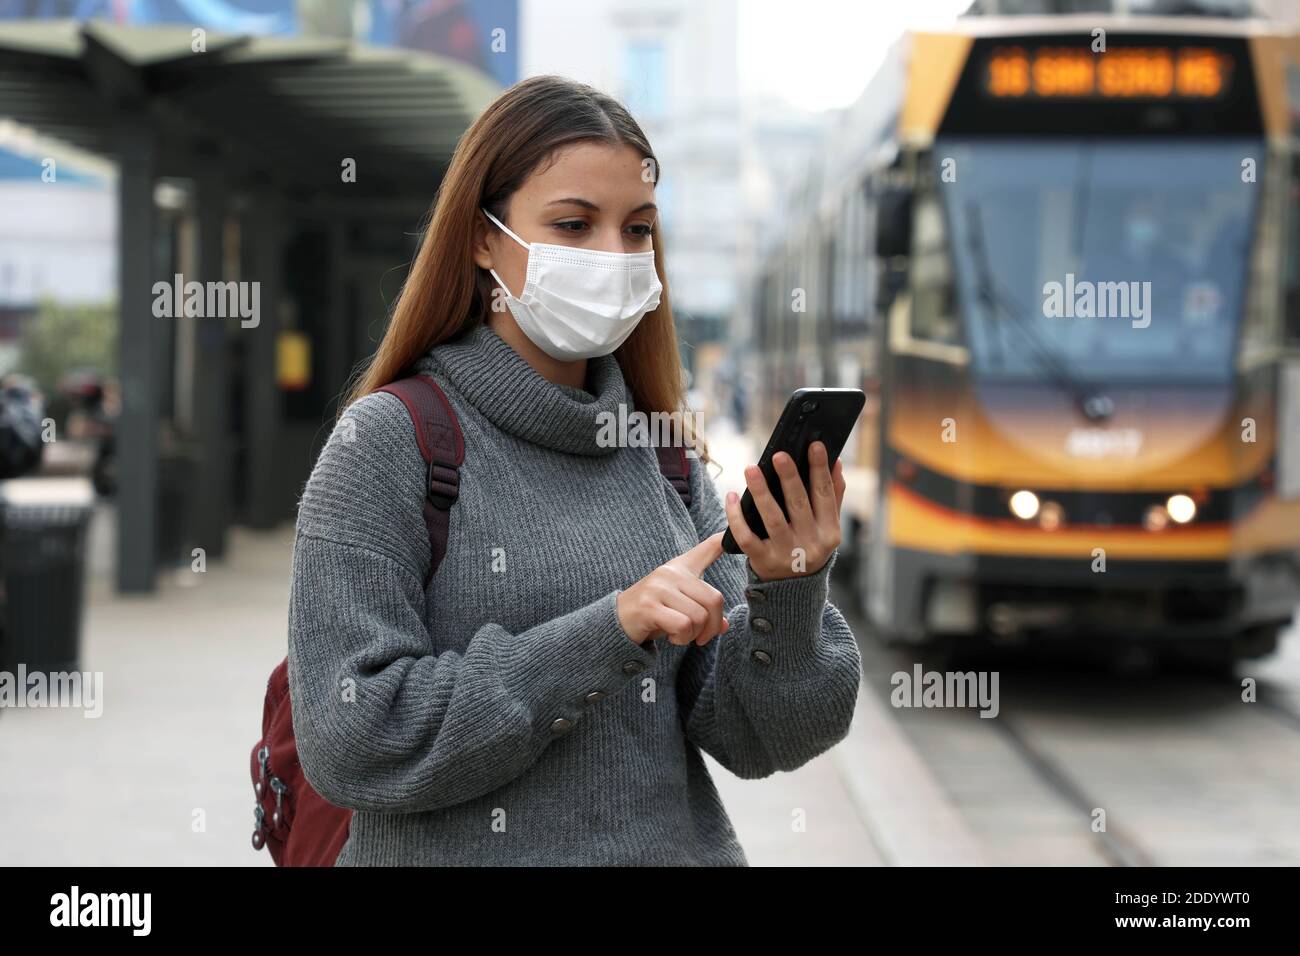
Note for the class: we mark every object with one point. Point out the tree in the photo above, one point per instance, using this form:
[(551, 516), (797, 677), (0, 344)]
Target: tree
[(62, 338)]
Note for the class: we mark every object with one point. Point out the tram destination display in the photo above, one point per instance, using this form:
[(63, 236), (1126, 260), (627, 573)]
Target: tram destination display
[(1142, 84), (1071, 72)]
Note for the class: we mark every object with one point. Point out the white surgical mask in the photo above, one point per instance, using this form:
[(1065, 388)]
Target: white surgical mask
[(581, 303)]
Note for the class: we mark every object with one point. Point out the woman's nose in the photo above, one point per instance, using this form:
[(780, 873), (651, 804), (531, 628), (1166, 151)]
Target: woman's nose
[(613, 245), (610, 240)]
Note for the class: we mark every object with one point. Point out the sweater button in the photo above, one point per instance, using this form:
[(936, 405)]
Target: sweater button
[(760, 624), (755, 596), (561, 725), (632, 668), (594, 696), (762, 657)]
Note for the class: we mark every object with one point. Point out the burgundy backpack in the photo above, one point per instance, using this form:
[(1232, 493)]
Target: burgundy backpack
[(295, 823)]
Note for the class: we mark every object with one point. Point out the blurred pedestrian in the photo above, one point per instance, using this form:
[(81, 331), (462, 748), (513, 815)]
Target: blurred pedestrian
[(21, 422)]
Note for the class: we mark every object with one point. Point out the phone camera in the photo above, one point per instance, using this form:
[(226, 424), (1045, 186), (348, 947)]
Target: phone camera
[(810, 406)]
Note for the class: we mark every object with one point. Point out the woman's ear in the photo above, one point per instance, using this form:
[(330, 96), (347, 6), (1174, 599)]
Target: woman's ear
[(482, 252)]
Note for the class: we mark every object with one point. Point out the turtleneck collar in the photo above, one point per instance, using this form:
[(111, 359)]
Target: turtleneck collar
[(510, 393)]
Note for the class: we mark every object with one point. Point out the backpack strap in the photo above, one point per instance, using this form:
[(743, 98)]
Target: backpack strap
[(676, 467), (437, 432)]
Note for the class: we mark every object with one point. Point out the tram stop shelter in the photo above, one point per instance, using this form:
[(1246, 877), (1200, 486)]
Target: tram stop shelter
[(299, 169)]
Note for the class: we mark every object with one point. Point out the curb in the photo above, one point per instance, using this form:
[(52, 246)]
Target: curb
[(909, 817)]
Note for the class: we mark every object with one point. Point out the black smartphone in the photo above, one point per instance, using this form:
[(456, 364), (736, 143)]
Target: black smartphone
[(812, 414)]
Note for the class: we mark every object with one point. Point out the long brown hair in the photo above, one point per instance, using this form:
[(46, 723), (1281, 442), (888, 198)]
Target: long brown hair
[(446, 293)]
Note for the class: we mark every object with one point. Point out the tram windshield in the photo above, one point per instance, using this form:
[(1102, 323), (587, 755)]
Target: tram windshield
[(1119, 260)]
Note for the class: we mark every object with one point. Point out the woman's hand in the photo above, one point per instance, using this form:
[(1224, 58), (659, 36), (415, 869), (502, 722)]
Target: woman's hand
[(673, 600), (803, 544)]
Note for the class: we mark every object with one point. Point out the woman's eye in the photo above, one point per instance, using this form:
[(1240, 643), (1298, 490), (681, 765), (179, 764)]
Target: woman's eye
[(638, 231)]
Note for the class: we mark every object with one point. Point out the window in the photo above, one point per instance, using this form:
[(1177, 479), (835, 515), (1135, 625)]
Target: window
[(644, 78), (1291, 302), (934, 306), (1155, 225)]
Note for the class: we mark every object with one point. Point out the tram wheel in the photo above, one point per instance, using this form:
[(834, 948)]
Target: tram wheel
[(1258, 641), (1220, 656), (1213, 657)]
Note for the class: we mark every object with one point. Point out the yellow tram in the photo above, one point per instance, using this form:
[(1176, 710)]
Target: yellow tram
[(1062, 255)]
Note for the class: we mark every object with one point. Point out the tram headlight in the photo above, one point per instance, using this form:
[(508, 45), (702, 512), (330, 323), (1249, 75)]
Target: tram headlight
[(1024, 505), (1156, 518), (1181, 508)]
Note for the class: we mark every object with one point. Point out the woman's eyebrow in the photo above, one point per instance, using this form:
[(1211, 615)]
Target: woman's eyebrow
[(588, 204), (585, 203)]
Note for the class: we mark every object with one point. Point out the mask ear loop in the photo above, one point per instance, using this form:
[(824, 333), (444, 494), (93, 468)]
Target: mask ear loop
[(506, 229)]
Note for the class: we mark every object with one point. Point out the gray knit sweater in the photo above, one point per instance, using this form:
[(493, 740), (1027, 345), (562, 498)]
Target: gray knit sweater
[(502, 716)]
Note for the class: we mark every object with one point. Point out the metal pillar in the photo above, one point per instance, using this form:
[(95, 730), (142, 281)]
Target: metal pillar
[(211, 377), (339, 333), (263, 412), (137, 428)]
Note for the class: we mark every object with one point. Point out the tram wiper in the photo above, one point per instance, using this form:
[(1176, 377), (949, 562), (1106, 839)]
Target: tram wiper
[(997, 301)]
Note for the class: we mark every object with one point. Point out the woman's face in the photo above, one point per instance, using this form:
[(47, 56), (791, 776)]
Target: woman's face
[(591, 196)]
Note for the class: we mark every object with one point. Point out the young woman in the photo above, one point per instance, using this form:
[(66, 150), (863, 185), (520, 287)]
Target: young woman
[(545, 699)]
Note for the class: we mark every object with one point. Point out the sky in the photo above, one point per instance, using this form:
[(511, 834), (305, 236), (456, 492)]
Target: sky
[(819, 54)]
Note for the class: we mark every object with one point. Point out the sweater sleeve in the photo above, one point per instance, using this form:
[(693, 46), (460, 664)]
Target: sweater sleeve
[(382, 721), (780, 686)]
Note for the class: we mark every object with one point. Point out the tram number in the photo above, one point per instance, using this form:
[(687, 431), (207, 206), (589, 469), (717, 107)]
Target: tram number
[(1103, 442)]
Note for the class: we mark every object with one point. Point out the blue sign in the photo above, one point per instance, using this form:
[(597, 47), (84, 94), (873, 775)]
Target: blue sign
[(481, 33)]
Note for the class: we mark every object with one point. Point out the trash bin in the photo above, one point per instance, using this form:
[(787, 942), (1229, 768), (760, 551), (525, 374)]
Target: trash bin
[(43, 525)]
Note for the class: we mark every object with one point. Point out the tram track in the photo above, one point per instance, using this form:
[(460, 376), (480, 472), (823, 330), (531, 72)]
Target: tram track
[(1164, 754), (1118, 846), (1282, 713)]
